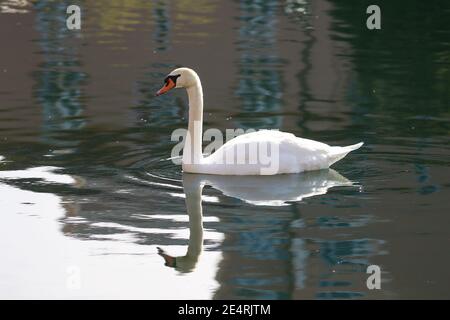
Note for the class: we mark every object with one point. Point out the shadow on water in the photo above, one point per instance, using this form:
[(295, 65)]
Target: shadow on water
[(59, 79), (288, 188), (272, 191)]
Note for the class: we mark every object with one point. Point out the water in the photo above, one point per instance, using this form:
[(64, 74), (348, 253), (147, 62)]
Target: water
[(88, 195)]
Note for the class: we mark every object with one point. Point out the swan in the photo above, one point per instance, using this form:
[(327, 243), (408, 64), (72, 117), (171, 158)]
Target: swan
[(247, 154)]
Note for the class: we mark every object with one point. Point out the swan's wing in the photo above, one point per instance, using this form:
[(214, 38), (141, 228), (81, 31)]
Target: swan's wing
[(281, 151), (286, 143), (291, 153)]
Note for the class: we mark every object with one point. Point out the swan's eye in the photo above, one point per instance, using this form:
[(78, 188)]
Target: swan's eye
[(170, 82), (173, 78)]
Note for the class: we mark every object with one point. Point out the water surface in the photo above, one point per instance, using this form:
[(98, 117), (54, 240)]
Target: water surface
[(87, 195)]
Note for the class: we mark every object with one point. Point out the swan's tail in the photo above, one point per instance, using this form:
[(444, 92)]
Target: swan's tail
[(337, 153)]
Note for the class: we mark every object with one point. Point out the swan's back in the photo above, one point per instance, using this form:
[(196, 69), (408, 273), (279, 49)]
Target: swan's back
[(268, 152)]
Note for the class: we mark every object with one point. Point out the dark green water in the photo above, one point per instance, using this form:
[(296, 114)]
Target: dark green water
[(87, 190)]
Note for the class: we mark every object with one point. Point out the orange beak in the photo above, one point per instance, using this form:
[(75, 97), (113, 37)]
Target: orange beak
[(168, 86)]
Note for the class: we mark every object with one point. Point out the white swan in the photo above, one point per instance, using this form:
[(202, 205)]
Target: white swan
[(243, 155)]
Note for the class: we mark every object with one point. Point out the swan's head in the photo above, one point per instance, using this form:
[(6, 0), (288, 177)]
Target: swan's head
[(179, 78)]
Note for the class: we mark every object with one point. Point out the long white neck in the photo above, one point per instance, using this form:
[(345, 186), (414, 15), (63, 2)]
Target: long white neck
[(192, 153)]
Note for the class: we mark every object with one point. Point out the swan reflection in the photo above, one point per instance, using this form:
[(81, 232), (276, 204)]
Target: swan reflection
[(276, 190)]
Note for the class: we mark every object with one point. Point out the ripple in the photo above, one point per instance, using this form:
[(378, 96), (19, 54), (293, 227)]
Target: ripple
[(14, 6), (46, 174)]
